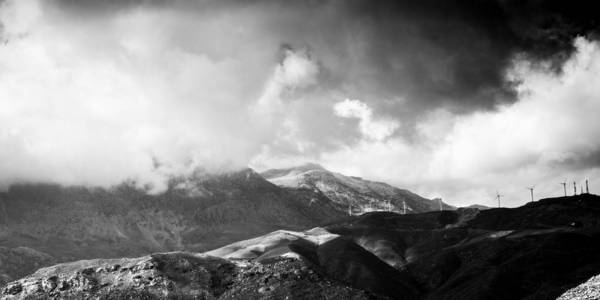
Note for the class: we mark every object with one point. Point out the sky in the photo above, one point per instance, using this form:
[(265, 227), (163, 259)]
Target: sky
[(454, 99)]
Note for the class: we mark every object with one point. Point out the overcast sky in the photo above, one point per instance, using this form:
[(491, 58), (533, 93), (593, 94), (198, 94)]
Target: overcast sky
[(456, 99)]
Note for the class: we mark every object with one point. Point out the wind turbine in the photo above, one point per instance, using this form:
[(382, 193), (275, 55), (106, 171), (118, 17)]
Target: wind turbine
[(404, 207), (564, 184), (531, 190), (587, 188), (574, 188), (441, 204), (498, 198)]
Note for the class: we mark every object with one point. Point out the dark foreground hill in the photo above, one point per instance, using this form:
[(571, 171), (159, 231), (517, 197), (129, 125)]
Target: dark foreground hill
[(44, 224), (538, 251)]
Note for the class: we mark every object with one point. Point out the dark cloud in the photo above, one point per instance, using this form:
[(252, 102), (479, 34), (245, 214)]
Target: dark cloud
[(457, 52), (428, 52)]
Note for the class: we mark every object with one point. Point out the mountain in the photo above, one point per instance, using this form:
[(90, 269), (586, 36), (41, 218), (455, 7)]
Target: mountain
[(478, 206), (541, 250), (199, 213), (347, 191), (20, 261)]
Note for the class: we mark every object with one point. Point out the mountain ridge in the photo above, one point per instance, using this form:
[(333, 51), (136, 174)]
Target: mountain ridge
[(353, 193), (195, 214)]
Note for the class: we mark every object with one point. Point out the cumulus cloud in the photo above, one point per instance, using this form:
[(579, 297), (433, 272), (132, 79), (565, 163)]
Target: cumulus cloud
[(372, 129), (296, 71), (101, 101)]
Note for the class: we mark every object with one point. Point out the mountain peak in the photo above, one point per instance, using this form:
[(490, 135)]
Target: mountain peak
[(353, 194), (309, 167)]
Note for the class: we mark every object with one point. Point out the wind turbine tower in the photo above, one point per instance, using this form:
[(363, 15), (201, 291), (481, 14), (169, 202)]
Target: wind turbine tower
[(531, 190), (587, 188), (574, 188), (403, 207), (441, 204), (498, 198), (564, 184)]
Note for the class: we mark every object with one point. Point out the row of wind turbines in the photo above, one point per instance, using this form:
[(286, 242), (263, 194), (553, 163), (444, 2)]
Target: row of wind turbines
[(564, 184)]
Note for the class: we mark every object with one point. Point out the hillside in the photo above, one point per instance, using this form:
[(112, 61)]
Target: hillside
[(178, 275), (537, 251), (201, 213), (347, 191)]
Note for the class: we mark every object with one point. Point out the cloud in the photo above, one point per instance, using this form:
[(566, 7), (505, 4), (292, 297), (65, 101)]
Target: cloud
[(18, 17), (100, 101), (454, 98), (296, 71), (467, 158), (371, 129)]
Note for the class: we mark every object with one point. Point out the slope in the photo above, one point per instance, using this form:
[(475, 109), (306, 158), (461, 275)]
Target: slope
[(362, 195), (194, 214)]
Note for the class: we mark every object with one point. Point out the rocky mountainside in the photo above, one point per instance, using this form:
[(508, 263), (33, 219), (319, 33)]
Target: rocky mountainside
[(538, 251), (353, 193), (179, 275), (44, 224)]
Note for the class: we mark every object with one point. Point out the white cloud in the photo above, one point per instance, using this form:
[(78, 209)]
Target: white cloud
[(96, 101), (18, 17), (376, 130), (297, 70)]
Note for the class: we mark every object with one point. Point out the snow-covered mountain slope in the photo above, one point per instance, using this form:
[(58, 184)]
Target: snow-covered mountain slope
[(352, 193)]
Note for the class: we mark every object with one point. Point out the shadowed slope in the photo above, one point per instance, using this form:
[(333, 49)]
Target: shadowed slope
[(195, 214)]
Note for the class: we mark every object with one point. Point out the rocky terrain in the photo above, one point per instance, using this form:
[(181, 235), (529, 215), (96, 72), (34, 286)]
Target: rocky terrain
[(588, 290), (541, 250), (179, 275), (352, 193)]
